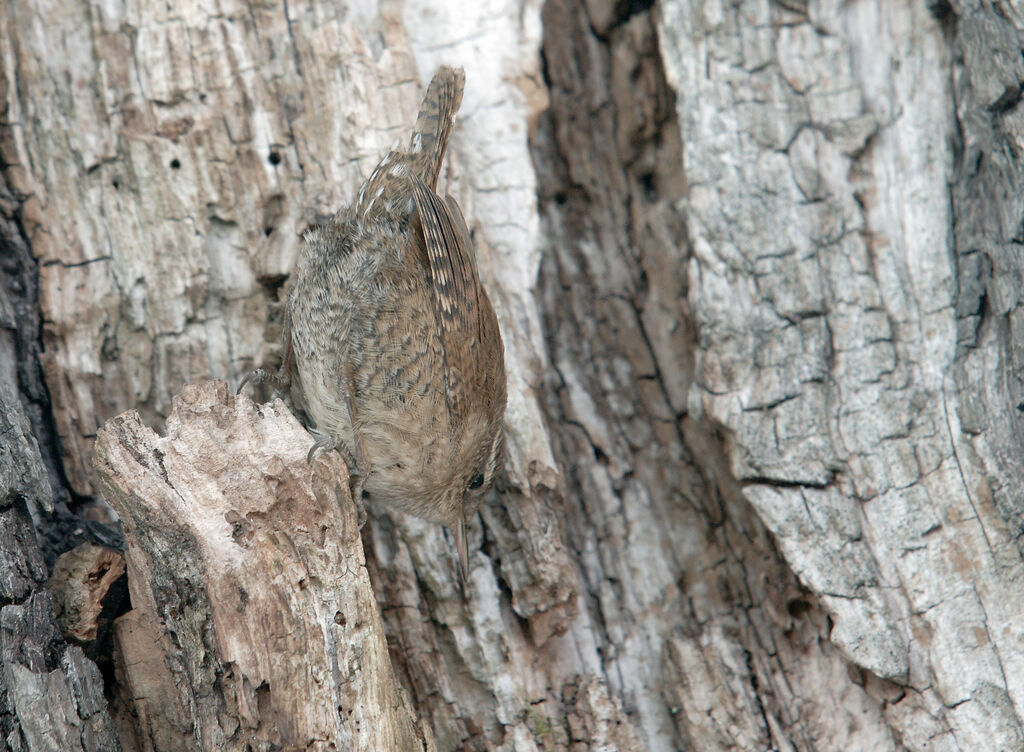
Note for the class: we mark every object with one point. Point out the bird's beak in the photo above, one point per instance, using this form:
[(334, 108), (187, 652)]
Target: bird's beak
[(462, 545)]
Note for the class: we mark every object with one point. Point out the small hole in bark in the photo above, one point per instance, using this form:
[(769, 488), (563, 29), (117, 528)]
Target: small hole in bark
[(109, 350), (1020, 406), (632, 8), (798, 607), (274, 158), (600, 456), (263, 699), (272, 285), (97, 574), (642, 282), (339, 619), (647, 183), (365, 494), (175, 164), (273, 211), (116, 183), (940, 9)]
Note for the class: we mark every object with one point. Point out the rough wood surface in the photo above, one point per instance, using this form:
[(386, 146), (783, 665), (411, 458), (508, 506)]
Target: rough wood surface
[(248, 584), (855, 317), (51, 695), (757, 268), (80, 584), (710, 643)]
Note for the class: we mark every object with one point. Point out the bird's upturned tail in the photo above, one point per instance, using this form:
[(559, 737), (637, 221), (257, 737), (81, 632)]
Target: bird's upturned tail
[(435, 121)]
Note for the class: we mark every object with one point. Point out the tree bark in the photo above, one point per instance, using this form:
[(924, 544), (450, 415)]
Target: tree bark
[(51, 695), (247, 574), (757, 268)]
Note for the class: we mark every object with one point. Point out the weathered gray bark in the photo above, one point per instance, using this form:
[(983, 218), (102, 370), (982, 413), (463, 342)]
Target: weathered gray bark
[(51, 695), (757, 264), (854, 215)]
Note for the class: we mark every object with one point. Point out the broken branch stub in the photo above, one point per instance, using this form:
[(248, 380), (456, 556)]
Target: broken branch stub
[(254, 624)]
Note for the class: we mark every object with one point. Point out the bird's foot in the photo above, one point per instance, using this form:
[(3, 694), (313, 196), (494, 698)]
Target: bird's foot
[(360, 495), (356, 474), (263, 376), (325, 443)]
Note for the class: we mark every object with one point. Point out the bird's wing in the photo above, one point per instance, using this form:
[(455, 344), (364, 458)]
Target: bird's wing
[(457, 295)]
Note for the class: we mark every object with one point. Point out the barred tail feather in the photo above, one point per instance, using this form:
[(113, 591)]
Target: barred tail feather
[(435, 121)]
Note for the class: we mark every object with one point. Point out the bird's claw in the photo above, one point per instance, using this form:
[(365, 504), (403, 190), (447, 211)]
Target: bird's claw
[(357, 473), (262, 376), (327, 443)]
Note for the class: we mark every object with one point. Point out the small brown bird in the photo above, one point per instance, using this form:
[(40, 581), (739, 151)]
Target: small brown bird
[(392, 349)]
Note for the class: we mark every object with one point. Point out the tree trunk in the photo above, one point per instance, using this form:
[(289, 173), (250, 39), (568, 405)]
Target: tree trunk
[(757, 269), (51, 694)]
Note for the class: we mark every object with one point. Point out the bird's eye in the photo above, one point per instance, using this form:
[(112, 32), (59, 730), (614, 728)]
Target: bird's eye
[(477, 481)]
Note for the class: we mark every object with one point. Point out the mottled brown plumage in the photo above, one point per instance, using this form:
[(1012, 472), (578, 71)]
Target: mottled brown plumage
[(392, 349)]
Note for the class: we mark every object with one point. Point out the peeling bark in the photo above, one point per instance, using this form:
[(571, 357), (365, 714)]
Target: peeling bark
[(847, 164), (247, 577), (51, 695), (87, 586)]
